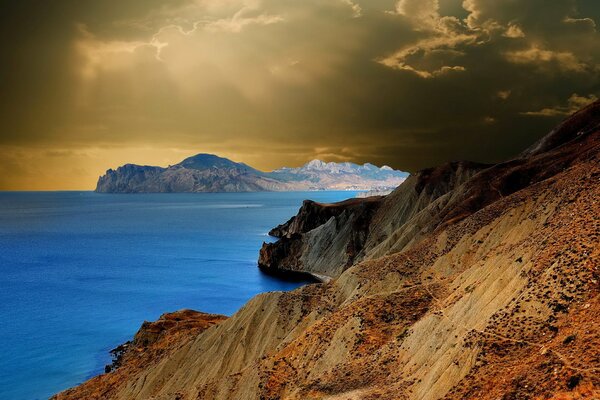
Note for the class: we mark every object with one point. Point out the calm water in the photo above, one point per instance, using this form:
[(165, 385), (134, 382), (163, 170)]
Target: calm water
[(80, 271)]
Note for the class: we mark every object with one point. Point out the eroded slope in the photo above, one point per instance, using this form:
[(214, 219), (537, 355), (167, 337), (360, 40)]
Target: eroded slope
[(491, 293)]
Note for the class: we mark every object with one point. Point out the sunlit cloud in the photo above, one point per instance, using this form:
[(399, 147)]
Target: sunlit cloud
[(541, 57), (574, 103)]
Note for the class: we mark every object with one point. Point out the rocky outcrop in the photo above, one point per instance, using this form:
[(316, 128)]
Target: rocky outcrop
[(579, 125), (153, 342), (129, 178), (484, 284), (313, 215), (326, 239), (155, 337), (209, 173), (322, 240)]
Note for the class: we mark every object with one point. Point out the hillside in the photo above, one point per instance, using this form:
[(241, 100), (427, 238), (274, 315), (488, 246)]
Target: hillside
[(469, 281), (210, 173)]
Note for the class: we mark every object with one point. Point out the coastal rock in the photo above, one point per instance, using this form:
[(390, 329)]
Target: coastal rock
[(128, 178), (153, 342), (322, 239)]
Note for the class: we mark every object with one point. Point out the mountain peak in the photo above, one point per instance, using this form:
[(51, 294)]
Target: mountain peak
[(207, 161), (318, 166), (575, 126), (315, 164)]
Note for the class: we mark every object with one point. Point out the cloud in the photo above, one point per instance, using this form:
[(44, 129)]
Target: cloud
[(425, 12), (489, 24), (242, 19), (586, 22), (513, 31), (542, 58), (428, 57), (504, 94), (409, 83), (574, 104), (357, 11)]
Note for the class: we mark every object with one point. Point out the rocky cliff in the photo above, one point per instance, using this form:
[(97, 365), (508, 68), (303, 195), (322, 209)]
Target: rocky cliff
[(323, 239), (326, 239), (153, 342), (471, 282)]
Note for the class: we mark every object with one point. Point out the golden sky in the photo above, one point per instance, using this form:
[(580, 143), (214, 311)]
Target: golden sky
[(90, 85)]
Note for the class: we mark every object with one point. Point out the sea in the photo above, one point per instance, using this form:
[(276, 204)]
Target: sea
[(81, 271)]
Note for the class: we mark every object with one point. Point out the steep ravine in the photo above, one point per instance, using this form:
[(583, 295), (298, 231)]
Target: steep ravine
[(470, 282)]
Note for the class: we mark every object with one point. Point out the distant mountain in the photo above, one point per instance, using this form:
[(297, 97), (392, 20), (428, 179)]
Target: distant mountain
[(210, 173)]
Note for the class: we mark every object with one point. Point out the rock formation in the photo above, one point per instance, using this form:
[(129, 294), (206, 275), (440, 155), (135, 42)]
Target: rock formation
[(470, 282), (323, 239), (209, 173), (153, 342)]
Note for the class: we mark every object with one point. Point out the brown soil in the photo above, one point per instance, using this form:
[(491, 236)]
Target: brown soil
[(153, 342)]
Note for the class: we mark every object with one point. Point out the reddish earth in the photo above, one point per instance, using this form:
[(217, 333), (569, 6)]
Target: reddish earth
[(153, 342)]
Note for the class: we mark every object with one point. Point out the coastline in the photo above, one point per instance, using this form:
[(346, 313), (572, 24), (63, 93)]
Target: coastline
[(287, 275), (444, 285), (171, 253)]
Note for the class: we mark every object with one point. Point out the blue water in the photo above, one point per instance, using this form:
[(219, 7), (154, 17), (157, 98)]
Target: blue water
[(80, 271)]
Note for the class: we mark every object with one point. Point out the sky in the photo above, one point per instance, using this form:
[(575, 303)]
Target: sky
[(88, 85)]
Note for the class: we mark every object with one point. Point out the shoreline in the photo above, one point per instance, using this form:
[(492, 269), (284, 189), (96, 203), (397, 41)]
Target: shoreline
[(295, 276), (289, 275)]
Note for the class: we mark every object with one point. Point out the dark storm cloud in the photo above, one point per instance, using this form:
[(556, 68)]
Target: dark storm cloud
[(408, 83)]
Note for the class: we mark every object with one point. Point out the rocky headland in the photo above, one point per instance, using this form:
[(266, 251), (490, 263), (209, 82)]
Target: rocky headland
[(469, 281), (153, 342)]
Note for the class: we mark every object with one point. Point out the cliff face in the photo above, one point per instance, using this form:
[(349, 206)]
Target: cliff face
[(313, 215), (473, 282), (153, 342), (128, 178), (323, 239)]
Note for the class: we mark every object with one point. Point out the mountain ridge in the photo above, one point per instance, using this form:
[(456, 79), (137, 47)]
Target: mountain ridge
[(210, 173)]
